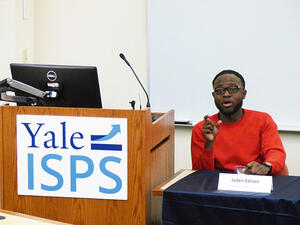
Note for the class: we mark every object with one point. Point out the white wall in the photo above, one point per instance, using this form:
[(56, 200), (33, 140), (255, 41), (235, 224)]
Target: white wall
[(25, 41), (94, 32), (8, 35), (291, 143), (16, 39)]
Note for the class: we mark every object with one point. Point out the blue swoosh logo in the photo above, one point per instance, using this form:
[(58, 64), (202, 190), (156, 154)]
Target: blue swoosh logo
[(114, 131)]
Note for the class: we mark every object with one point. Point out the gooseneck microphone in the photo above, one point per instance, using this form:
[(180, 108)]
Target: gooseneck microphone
[(125, 60)]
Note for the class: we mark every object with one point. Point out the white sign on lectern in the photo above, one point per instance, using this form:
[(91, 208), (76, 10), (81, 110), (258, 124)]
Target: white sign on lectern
[(65, 156)]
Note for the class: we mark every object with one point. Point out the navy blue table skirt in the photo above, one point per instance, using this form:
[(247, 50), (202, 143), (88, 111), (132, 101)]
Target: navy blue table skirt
[(196, 200)]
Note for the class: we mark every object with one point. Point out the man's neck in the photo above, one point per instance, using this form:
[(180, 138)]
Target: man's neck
[(233, 117)]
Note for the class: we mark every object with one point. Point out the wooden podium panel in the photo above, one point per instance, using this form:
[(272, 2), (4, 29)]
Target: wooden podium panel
[(150, 162)]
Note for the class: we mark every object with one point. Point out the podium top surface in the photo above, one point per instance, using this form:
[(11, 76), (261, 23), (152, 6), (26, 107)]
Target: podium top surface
[(8, 217)]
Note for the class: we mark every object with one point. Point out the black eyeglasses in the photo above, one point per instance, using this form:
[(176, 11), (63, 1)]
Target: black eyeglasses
[(231, 90)]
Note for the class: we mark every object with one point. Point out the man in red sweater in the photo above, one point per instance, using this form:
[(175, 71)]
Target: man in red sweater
[(236, 136)]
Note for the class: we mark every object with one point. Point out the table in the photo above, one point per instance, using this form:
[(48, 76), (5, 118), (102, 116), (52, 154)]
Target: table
[(195, 199)]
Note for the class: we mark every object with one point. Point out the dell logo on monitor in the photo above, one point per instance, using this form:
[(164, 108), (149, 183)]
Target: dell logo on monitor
[(51, 75)]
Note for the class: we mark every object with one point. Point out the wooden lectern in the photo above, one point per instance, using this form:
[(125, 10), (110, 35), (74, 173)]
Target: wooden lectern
[(150, 162)]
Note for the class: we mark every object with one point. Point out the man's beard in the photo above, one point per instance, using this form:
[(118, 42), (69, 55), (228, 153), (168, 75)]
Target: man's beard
[(233, 111)]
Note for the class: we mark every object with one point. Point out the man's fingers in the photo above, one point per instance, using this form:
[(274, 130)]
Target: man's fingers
[(208, 126), (206, 131), (210, 122), (206, 117), (256, 168), (250, 164), (207, 120), (210, 129), (249, 169), (218, 124)]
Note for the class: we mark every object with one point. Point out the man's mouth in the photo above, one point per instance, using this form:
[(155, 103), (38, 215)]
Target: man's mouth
[(227, 104)]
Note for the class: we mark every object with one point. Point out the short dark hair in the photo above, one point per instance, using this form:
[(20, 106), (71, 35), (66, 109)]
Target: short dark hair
[(230, 72)]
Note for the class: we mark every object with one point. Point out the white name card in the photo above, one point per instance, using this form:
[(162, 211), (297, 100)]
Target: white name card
[(243, 182)]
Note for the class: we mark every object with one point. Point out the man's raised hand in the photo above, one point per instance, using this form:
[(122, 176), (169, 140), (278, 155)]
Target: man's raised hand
[(210, 131)]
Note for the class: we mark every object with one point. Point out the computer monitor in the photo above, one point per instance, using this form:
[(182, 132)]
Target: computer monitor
[(68, 86)]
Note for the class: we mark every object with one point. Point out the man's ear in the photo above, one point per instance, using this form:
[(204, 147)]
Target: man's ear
[(244, 93), (213, 94)]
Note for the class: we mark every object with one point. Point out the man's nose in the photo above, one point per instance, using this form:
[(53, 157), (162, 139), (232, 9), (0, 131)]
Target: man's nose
[(226, 93)]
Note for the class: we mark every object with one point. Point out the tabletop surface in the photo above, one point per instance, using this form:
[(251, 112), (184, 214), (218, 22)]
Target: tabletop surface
[(196, 196)]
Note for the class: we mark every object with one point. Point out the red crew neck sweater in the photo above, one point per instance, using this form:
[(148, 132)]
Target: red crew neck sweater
[(253, 138)]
